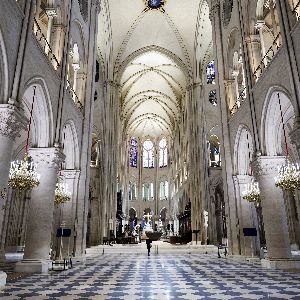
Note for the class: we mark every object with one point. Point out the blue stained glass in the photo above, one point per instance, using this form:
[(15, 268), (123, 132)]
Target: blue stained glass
[(154, 3), (133, 152), (211, 73)]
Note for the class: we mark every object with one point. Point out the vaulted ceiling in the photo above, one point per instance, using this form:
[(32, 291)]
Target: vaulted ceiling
[(152, 53)]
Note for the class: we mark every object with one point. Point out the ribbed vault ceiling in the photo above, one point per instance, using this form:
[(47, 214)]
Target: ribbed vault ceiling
[(151, 89), (152, 83)]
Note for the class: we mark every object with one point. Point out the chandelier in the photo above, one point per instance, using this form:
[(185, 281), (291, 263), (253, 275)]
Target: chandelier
[(288, 177), (62, 195), (252, 192), (23, 174), (289, 174)]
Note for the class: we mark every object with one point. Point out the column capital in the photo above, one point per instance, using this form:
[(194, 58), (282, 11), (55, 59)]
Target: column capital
[(267, 165), (51, 12), (12, 122), (228, 82), (194, 85), (76, 66), (242, 179), (49, 157), (259, 24), (253, 39), (71, 174)]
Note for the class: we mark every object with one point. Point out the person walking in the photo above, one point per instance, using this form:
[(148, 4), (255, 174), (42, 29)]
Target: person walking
[(149, 245)]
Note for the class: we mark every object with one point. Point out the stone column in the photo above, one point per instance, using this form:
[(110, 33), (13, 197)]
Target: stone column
[(259, 27), (230, 93), (76, 68), (51, 13), (41, 209), (229, 193), (11, 123), (254, 50), (69, 208), (57, 39), (247, 217), (293, 223), (273, 209)]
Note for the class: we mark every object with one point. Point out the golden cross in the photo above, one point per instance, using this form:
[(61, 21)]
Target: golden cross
[(148, 216)]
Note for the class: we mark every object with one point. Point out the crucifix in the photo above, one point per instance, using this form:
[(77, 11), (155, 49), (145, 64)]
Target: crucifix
[(147, 217)]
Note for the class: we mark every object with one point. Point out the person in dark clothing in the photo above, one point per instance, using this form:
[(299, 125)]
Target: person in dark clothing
[(149, 245)]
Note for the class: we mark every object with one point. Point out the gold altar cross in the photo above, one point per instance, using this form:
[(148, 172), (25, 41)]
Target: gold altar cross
[(148, 216)]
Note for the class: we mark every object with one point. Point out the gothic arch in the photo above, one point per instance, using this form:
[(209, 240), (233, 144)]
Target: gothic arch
[(233, 46), (243, 150), (271, 124), (70, 146), (119, 72), (132, 213), (77, 37), (42, 121)]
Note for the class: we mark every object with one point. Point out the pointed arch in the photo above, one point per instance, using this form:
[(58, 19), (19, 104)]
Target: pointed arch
[(70, 146), (42, 134), (271, 123), (243, 151)]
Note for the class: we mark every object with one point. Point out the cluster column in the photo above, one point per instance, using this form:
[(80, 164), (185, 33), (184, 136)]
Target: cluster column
[(41, 209), (11, 123), (273, 209)]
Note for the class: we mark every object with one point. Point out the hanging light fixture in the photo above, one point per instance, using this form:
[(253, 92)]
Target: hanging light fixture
[(23, 174), (62, 195), (289, 174), (288, 177), (252, 192)]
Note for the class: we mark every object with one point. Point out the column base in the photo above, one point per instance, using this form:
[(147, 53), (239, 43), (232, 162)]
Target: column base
[(280, 263), (3, 277), (32, 266), (79, 259)]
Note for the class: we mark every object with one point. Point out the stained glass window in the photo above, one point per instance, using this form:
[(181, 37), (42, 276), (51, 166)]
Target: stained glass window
[(211, 72), (148, 154), (163, 153), (133, 152), (212, 97)]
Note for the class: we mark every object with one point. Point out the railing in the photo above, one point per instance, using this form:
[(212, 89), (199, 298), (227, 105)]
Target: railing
[(74, 95), (268, 57), (44, 44), (239, 101), (296, 11)]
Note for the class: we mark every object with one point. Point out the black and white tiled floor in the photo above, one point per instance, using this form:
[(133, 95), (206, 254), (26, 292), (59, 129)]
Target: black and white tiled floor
[(163, 277)]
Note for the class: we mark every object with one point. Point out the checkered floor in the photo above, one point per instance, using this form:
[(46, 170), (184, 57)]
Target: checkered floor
[(164, 277)]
